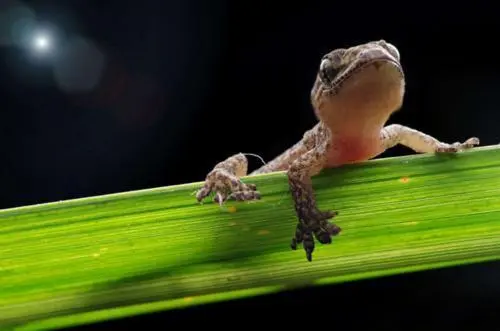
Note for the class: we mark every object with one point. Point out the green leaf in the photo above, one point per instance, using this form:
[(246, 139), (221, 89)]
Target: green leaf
[(79, 261)]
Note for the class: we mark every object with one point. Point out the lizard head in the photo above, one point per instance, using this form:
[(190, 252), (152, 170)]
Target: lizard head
[(364, 82)]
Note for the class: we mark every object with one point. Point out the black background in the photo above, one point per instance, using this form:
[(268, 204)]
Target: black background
[(187, 83)]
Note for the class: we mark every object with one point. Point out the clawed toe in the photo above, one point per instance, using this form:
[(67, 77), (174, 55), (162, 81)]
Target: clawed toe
[(324, 238), (457, 146), (247, 195), (226, 186), (333, 229), (203, 192), (244, 195), (471, 142), (220, 197), (309, 228), (251, 187)]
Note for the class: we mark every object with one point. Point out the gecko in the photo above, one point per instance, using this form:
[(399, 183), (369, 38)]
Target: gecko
[(355, 92)]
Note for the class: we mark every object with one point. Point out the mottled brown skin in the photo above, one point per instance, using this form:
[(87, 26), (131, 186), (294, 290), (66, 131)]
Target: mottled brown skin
[(355, 92)]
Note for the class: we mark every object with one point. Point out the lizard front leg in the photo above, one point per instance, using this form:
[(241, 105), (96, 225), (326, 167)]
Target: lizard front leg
[(420, 142), (224, 181), (312, 221)]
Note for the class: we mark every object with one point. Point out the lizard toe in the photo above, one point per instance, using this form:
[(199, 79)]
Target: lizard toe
[(226, 186), (471, 142), (314, 223), (203, 192), (308, 245), (458, 146), (309, 228), (220, 197), (245, 195)]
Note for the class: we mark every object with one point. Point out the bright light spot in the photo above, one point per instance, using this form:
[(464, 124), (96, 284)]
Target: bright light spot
[(41, 43)]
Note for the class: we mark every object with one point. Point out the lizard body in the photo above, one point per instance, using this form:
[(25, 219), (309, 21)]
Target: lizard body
[(355, 92)]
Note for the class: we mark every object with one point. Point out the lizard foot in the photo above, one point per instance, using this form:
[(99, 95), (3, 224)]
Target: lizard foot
[(226, 186), (455, 147), (314, 223)]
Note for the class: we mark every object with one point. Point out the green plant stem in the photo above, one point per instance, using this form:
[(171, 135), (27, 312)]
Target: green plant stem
[(79, 261)]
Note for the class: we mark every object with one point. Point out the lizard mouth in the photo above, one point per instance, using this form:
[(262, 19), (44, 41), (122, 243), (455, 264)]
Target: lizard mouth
[(380, 72), (378, 63)]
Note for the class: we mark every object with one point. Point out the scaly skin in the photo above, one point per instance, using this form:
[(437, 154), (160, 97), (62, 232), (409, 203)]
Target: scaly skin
[(355, 92)]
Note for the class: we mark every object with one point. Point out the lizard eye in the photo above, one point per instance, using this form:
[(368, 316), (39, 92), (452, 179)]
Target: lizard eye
[(327, 72)]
